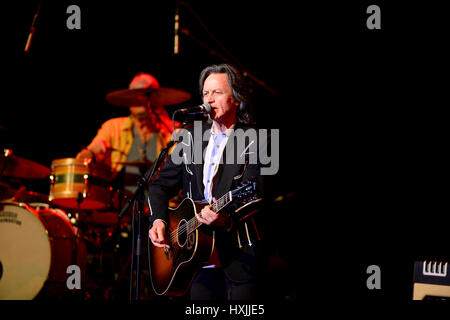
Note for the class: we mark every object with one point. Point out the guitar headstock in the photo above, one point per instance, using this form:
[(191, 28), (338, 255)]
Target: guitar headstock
[(245, 193)]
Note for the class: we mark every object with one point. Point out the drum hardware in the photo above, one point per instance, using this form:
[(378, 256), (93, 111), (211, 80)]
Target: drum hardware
[(81, 196), (73, 218)]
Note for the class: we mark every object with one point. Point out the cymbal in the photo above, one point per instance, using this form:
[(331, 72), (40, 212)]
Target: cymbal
[(139, 97), (18, 167), (22, 195), (139, 163)]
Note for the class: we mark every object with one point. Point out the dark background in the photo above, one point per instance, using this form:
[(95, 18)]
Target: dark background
[(363, 170)]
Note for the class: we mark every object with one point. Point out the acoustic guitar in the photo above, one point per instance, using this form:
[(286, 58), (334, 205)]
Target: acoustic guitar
[(172, 270)]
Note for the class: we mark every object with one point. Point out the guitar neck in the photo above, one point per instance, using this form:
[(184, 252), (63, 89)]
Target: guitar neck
[(216, 207), (222, 202)]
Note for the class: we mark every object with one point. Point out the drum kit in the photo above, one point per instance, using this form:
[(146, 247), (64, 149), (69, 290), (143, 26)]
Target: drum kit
[(42, 235)]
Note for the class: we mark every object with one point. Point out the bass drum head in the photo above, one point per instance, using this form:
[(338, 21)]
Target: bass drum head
[(25, 252)]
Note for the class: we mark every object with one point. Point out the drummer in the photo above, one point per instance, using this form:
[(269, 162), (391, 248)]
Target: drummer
[(136, 139)]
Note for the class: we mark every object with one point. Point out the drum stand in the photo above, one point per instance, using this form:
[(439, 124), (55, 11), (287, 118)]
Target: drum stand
[(79, 200)]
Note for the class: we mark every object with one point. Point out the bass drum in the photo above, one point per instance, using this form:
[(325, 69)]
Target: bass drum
[(36, 248)]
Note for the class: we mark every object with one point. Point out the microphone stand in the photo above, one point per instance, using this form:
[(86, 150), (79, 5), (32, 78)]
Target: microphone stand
[(139, 197), (32, 28)]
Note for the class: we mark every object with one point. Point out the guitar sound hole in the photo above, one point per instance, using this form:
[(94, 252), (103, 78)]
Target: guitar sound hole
[(182, 233)]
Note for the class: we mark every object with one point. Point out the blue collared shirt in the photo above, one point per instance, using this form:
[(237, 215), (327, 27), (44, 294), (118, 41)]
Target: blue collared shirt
[(213, 155)]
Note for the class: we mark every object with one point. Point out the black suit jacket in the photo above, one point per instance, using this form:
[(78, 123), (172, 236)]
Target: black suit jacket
[(239, 252)]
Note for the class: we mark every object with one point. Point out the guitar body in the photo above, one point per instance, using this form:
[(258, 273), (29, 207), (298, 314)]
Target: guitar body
[(172, 270)]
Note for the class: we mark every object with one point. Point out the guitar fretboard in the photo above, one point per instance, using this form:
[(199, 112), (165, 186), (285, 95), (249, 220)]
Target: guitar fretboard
[(222, 202), (216, 207)]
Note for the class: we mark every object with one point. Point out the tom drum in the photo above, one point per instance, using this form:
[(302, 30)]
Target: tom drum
[(79, 184)]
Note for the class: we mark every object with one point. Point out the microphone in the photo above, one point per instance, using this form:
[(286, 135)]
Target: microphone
[(203, 108), (176, 49)]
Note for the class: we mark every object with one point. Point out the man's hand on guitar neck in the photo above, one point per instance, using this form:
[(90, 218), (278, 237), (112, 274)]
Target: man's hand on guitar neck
[(156, 234), (206, 216), (209, 217)]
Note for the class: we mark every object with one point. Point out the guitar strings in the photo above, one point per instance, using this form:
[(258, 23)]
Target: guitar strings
[(194, 223), (190, 225)]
